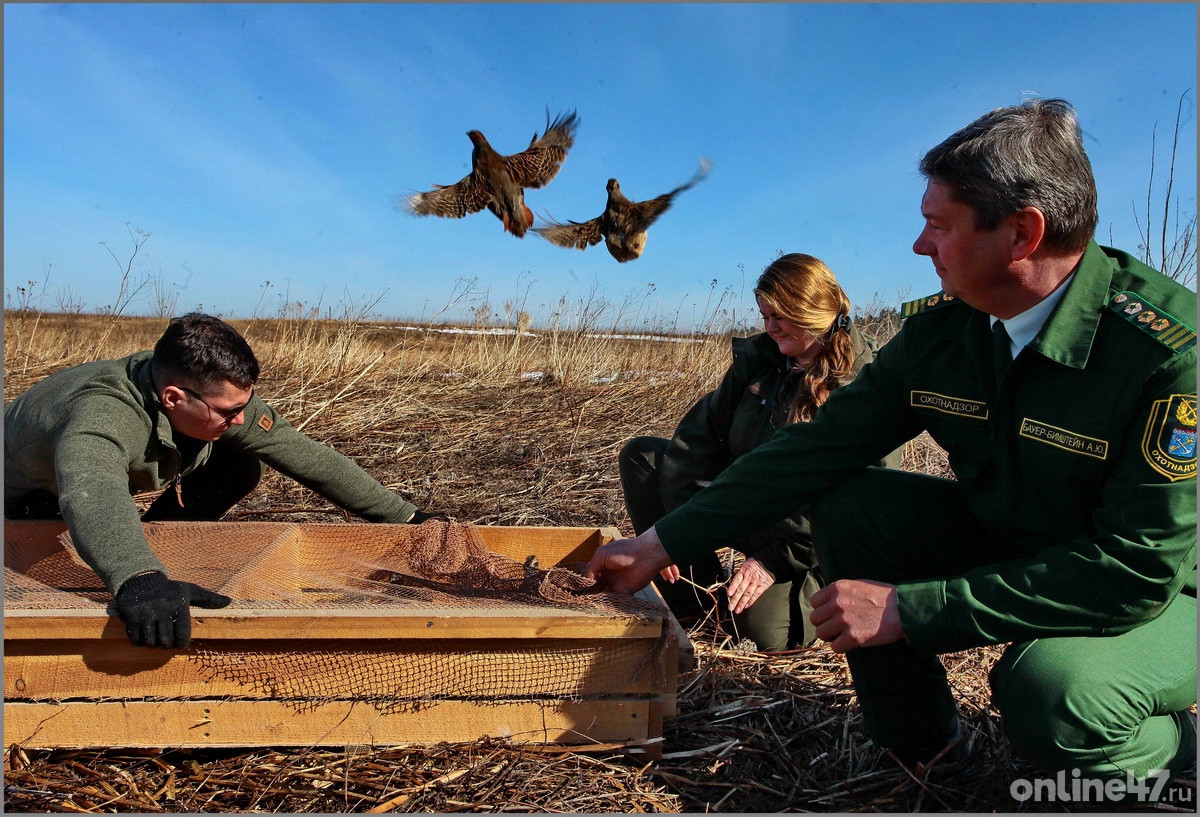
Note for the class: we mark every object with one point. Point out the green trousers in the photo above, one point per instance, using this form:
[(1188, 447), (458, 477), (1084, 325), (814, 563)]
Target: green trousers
[(778, 619), (1104, 705)]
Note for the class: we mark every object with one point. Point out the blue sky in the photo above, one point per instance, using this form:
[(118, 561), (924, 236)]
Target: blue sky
[(269, 142)]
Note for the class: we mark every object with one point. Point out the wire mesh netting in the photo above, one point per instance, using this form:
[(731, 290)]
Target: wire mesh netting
[(272, 565), (435, 566)]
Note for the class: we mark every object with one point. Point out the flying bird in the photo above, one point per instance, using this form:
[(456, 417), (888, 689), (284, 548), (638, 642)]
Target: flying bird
[(497, 182), (622, 225)]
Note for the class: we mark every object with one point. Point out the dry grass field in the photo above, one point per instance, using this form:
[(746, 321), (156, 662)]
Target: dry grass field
[(512, 429)]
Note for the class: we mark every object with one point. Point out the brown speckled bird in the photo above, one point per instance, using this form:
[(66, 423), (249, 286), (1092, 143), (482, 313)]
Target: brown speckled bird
[(497, 182), (622, 225)]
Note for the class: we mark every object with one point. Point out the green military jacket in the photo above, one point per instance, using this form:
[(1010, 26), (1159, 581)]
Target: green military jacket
[(1080, 463), (751, 402), (95, 434)]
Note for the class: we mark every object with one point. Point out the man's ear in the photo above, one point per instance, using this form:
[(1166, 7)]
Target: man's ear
[(172, 396), (1029, 228)]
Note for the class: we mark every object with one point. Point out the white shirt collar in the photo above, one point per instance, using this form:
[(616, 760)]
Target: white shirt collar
[(1024, 327)]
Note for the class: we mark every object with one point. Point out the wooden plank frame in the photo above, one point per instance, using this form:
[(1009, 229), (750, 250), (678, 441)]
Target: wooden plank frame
[(72, 680)]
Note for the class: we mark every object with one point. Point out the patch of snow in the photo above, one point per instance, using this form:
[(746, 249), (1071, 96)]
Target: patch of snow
[(500, 330)]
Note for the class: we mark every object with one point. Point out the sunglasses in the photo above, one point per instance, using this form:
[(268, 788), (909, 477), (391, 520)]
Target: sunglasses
[(227, 415)]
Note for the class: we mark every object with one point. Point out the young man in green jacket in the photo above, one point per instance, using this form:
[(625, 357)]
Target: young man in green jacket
[(184, 417), (1070, 531)]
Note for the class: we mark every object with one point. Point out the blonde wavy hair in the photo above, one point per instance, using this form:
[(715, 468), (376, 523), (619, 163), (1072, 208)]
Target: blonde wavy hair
[(805, 293)]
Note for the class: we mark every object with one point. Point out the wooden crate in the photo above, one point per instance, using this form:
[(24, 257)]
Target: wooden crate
[(71, 678)]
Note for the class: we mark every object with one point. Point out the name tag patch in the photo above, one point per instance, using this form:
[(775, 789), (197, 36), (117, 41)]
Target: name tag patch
[(1169, 442), (1066, 440), (958, 406)]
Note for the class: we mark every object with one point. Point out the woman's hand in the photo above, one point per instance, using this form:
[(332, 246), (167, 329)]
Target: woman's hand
[(750, 582)]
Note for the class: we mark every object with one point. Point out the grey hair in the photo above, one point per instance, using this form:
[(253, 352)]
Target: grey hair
[(1027, 155)]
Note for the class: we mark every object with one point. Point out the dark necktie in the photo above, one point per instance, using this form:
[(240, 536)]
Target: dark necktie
[(1001, 349)]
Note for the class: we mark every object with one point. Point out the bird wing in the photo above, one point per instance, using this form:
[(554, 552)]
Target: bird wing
[(577, 234), (467, 195), (643, 213), (640, 215), (539, 163)]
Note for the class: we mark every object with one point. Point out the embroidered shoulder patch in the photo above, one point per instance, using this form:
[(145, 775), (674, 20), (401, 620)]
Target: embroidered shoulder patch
[(916, 307), (265, 423), (1169, 442), (1166, 329)]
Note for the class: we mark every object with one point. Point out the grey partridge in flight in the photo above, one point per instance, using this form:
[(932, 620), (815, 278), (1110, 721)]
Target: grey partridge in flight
[(498, 182), (622, 225)]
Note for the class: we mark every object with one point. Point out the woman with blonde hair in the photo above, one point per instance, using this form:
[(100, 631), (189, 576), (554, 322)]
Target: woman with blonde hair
[(781, 376)]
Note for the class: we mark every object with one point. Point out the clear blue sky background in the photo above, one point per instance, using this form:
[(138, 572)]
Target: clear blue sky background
[(269, 142)]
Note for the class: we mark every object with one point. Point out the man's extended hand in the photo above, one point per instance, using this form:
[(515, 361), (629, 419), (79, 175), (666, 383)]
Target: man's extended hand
[(155, 609), (628, 565), (856, 613), (750, 582)]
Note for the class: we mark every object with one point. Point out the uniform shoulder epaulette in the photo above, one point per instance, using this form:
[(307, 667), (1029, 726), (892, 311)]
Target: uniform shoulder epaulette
[(940, 299), (1160, 325)]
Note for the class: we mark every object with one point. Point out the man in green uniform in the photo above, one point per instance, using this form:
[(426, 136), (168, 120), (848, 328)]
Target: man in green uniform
[(1059, 376), (184, 417)]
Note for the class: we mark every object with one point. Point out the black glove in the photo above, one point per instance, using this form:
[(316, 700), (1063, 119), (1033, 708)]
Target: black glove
[(421, 516), (155, 609)]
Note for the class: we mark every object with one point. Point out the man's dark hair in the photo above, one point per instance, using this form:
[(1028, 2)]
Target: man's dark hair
[(1028, 155), (200, 351)]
